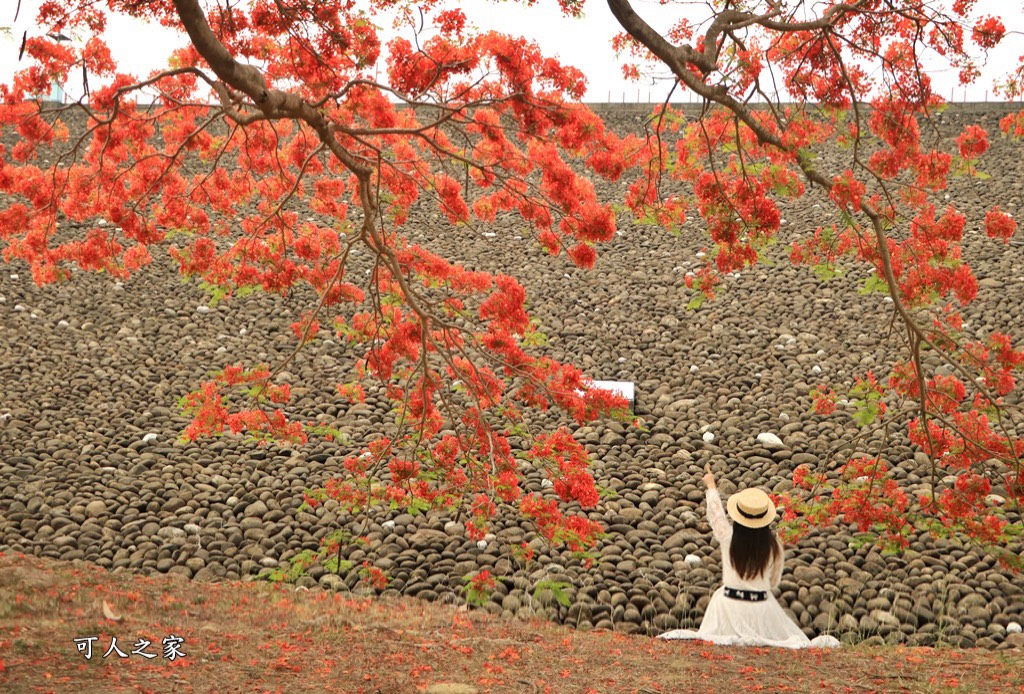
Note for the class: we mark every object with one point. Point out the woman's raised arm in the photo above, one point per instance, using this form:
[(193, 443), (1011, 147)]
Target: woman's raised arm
[(716, 514)]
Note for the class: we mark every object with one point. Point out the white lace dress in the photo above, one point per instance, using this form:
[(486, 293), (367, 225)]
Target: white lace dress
[(728, 621)]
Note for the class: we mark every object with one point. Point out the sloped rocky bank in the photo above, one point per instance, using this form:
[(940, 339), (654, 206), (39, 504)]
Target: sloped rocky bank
[(91, 370)]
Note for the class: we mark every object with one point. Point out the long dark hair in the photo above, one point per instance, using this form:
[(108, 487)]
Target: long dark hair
[(752, 549)]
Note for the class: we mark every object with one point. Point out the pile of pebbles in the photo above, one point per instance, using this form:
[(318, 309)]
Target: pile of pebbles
[(91, 469)]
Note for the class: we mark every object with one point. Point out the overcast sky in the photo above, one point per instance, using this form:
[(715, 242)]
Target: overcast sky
[(585, 43)]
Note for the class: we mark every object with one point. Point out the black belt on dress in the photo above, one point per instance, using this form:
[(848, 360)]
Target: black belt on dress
[(748, 595)]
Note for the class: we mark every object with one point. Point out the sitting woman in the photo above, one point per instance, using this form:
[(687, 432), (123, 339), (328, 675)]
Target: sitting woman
[(743, 611)]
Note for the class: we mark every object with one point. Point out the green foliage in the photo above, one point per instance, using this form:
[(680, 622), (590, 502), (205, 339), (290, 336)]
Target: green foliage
[(865, 401), (295, 569), (534, 338), (475, 595), (805, 157), (324, 431), (215, 292), (334, 565), (326, 557), (826, 271), (788, 188), (545, 591), (961, 167), (874, 283), (417, 506)]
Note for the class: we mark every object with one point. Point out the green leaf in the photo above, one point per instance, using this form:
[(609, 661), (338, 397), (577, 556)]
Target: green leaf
[(695, 302), (874, 283), (335, 566), (535, 339), (826, 271), (557, 590), (866, 414), (807, 154)]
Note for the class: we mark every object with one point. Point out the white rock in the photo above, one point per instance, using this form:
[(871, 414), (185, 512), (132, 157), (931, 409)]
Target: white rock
[(820, 353), (243, 331), (20, 307), (692, 560), (769, 440), (784, 417), (701, 254), (102, 222), (481, 544), (708, 437), (63, 324), (388, 525), (694, 369), (887, 299), (14, 275), (118, 287), (546, 483), (757, 374), (622, 360), (567, 275), (816, 369), (489, 234), (202, 309), (995, 499), (33, 315), (222, 349), (1013, 628), (232, 500), (149, 438)]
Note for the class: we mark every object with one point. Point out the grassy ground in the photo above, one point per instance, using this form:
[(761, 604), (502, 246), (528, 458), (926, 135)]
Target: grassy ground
[(255, 637)]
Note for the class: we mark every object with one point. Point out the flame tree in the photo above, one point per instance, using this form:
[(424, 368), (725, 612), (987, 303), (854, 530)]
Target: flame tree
[(279, 104)]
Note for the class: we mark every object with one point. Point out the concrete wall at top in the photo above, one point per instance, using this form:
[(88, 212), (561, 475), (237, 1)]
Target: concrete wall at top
[(645, 108)]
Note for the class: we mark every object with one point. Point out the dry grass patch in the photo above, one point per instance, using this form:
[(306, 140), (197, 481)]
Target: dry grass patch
[(256, 637)]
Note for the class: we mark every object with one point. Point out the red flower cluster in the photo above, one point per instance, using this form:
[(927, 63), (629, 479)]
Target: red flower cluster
[(988, 32), (999, 224), (972, 142)]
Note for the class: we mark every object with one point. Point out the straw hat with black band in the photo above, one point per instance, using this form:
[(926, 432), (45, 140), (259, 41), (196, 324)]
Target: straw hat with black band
[(751, 508)]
